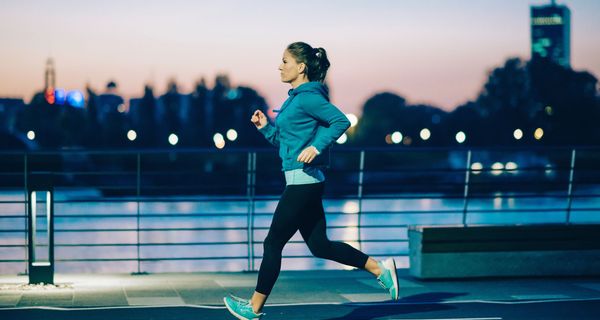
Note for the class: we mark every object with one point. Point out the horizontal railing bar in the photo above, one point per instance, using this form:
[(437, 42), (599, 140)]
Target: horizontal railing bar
[(267, 198), (532, 149), (151, 215), (413, 169), (183, 258), (145, 244), (150, 259)]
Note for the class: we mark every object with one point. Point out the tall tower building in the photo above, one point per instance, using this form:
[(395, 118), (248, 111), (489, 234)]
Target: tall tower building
[(551, 33), (50, 82), (50, 78)]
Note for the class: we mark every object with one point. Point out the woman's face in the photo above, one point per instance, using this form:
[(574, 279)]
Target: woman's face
[(290, 69)]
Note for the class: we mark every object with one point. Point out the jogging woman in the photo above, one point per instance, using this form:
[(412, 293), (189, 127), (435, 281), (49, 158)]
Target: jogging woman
[(306, 125)]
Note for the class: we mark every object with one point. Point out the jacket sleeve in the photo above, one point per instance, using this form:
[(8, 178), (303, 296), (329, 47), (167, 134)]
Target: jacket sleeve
[(322, 110), (271, 133)]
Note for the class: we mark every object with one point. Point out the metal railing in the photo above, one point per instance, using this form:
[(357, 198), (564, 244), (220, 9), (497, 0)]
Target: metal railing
[(190, 210)]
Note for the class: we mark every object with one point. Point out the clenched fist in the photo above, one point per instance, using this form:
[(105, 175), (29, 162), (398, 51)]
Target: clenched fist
[(259, 119)]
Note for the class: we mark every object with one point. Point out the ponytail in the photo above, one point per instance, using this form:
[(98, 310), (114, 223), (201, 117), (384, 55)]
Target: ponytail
[(315, 60)]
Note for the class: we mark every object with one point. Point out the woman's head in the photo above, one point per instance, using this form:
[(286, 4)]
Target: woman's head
[(301, 61)]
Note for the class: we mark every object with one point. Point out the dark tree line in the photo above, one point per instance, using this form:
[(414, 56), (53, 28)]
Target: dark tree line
[(524, 95)]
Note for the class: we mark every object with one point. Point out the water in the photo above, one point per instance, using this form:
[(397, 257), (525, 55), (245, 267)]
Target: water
[(212, 234)]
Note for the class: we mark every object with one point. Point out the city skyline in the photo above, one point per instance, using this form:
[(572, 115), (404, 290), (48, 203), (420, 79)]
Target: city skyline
[(441, 56)]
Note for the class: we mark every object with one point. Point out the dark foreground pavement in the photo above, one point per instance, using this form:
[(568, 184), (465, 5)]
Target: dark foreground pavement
[(298, 295)]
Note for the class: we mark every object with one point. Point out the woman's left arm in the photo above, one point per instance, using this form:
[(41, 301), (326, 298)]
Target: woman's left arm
[(321, 109)]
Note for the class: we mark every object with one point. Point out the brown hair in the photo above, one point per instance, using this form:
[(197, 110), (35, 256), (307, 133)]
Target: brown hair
[(315, 60)]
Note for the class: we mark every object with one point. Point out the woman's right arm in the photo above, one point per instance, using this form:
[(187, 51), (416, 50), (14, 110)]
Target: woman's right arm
[(269, 131)]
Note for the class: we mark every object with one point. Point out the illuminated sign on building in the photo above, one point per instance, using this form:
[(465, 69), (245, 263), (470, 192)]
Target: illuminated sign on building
[(547, 21)]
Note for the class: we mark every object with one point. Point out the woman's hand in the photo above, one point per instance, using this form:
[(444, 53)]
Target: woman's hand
[(259, 119), (308, 155)]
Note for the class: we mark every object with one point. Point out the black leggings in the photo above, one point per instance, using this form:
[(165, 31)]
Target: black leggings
[(301, 208)]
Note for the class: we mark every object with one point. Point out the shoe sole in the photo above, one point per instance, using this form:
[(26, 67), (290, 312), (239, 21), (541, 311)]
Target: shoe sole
[(235, 314), (391, 265)]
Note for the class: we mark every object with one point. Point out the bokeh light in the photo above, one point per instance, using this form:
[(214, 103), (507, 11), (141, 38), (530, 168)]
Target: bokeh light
[(131, 135), (460, 137), (425, 134), (173, 139), (396, 137), (518, 134), (232, 135)]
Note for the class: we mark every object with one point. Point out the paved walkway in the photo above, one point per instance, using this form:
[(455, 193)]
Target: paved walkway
[(297, 295)]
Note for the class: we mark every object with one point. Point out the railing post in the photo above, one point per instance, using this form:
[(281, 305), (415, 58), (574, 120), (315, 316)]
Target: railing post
[(361, 169), (570, 190), (466, 189), (137, 199), (25, 181), (250, 193)]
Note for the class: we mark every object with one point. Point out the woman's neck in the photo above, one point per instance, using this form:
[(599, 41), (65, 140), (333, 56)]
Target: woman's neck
[(296, 83)]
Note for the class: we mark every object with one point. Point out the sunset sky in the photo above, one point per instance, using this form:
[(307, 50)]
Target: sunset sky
[(429, 51)]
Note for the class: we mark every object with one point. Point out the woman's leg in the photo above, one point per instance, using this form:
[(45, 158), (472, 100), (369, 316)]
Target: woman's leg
[(373, 267), (313, 230), (285, 223)]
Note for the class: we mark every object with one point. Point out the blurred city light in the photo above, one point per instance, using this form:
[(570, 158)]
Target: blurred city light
[(31, 135), (342, 139), (396, 137), (49, 95), (352, 118), (460, 137), (388, 138), (549, 110), (219, 140), (131, 135), (173, 139), (233, 94), (232, 134), (407, 141), (518, 134), (121, 108), (476, 167), (511, 166), (425, 134), (497, 168), (75, 99), (538, 134), (60, 96)]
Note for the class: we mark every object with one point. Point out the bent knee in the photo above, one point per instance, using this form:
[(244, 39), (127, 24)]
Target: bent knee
[(321, 249)]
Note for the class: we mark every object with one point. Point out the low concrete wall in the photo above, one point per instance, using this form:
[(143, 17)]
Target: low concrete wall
[(504, 251)]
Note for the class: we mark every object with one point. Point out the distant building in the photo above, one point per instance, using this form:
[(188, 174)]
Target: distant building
[(551, 33), (109, 103), (9, 109)]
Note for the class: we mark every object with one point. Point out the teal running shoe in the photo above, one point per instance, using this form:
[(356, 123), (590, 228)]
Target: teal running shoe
[(241, 308), (388, 278)]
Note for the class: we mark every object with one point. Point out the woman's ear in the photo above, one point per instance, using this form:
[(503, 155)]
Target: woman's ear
[(302, 68)]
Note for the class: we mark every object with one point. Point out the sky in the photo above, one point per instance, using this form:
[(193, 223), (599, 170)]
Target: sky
[(429, 51)]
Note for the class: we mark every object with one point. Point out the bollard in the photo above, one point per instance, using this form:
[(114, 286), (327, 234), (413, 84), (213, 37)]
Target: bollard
[(40, 212)]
